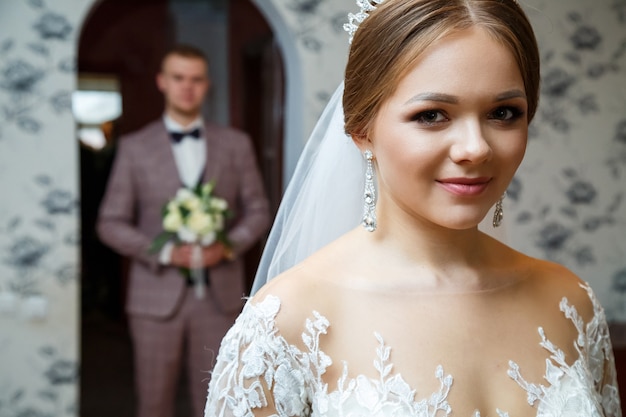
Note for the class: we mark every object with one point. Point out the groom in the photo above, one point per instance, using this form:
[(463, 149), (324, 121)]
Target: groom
[(168, 321)]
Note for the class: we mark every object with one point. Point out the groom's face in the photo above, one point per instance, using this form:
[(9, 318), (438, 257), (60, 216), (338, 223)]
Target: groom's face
[(184, 83)]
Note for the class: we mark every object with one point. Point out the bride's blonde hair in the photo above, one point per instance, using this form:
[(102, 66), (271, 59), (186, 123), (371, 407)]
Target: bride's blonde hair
[(388, 43)]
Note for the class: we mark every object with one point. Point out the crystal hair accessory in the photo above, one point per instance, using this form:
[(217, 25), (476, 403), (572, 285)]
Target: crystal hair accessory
[(355, 19)]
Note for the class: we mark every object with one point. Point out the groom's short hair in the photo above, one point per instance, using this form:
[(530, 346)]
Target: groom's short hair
[(186, 51)]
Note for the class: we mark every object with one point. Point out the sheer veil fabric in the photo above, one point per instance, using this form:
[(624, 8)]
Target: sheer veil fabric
[(324, 198)]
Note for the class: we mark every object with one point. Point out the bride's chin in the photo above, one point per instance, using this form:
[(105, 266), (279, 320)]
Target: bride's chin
[(462, 224)]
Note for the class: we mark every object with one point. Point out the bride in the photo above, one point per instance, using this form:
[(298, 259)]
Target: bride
[(416, 312)]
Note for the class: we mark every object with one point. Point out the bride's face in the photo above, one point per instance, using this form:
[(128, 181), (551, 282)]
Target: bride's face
[(450, 138)]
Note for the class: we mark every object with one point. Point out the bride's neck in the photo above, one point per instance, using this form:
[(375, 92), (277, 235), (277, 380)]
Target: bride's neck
[(454, 258), (434, 245)]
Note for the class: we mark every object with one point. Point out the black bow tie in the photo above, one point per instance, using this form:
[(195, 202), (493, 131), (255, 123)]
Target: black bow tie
[(178, 136)]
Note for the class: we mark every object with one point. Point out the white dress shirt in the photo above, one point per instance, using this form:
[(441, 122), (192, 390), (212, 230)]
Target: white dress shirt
[(189, 153), (190, 157)]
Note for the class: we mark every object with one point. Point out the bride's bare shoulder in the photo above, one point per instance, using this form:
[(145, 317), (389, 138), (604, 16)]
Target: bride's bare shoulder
[(306, 287), (552, 282)]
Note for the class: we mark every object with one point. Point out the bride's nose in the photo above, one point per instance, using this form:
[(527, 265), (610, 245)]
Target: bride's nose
[(470, 144)]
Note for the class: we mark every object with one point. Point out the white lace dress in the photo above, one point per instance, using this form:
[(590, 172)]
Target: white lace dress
[(253, 357)]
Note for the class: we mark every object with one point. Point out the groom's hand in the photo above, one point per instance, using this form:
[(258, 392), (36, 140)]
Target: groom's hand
[(182, 255)]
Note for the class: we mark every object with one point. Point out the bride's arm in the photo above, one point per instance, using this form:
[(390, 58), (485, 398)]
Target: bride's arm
[(257, 372), (602, 360)]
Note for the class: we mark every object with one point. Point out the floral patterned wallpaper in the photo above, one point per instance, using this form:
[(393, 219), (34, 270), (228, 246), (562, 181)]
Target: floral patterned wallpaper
[(322, 45), (38, 215), (567, 202)]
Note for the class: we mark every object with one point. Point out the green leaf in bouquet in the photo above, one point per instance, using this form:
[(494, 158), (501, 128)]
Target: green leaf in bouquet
[(223, 238), (160, 241), (205, 190), (184, 212)]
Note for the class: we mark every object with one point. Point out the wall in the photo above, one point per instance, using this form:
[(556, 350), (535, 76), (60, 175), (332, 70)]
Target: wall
[(566, 204), (39, 211)]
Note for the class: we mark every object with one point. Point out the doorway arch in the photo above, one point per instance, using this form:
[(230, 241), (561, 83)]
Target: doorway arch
[(294, 100), (292, 120)]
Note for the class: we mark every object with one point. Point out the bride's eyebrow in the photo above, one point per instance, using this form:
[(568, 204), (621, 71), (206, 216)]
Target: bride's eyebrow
[(507, 95), (440, 97), (450, 99)]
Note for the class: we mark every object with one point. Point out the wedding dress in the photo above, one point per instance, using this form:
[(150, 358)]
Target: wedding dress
[(254, 356), (322, 202)]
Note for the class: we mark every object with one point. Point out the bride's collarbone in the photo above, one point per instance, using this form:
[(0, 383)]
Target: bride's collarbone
[(478, 373)]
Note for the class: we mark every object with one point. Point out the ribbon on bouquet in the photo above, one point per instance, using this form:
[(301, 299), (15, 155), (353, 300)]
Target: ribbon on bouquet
[(196, 272)]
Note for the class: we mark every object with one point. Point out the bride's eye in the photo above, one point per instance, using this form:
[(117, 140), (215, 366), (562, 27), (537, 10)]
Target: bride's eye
[(429, 117), (506, 114)]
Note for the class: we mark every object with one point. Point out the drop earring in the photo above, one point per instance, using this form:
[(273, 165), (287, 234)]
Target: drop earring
[(369, 195), (498, 213)]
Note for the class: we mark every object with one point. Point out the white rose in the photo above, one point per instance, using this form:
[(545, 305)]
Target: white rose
[(207, 189), (218, 219), (172, 205), (200, 223), (192, 203), (186, 235), (172, 221), (184, 194), (219, 204), (207, 239)]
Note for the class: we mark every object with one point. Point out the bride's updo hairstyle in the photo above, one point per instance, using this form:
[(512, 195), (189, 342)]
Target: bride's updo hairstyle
[(392, 38)]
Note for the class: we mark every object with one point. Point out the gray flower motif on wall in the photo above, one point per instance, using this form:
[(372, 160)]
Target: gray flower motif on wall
[(28, 124), (618, 282), (553, 236), (311, 43), (555, 90), (556, 82), (580, 214), (31, 412), (66, 274), (616, 161), (58, 373), (67, 65), (618, 287), (62, 372), (59, 202), (305, 6), (61, 101), (586, 37), (514, 189), (53, 26), (26, 252), (620, 9), (581, 192), (311, 16), (19, 76), (38, 4), (6, 45), (620, 132), (584, 256)]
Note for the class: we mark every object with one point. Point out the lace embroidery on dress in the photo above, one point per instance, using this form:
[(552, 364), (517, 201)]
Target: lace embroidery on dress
[(570, 387), (258, 369)]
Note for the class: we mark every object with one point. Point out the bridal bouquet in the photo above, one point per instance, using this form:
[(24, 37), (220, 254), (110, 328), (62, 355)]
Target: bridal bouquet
[(194, 216)]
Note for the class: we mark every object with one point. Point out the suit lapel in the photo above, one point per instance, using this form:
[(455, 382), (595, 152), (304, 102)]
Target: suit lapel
[(211, 166), (165, 164)]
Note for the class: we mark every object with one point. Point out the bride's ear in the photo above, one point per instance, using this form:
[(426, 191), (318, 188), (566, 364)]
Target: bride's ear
[(362, 141)]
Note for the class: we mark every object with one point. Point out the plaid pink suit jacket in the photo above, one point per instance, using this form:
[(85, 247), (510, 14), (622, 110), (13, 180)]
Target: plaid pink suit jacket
[(144, 178)]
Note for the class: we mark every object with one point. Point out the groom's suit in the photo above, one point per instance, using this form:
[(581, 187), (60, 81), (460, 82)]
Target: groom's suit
[(143, 179)]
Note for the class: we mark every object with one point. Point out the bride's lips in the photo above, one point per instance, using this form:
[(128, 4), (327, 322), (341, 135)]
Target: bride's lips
[(465, 186)]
